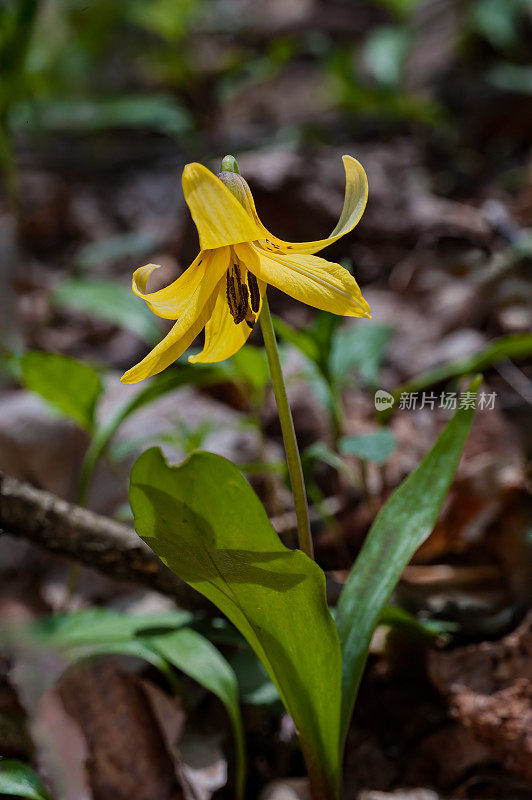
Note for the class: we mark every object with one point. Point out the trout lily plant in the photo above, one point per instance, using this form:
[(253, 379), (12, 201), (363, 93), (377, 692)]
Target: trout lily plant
[(205, 522)]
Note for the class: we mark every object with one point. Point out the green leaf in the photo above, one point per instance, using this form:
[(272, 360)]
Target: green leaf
[(133, 244), (498, 21), (511, 77), (111, 301), (100, 625), (72, 387), (301, 339), (250, 365), (207, 525), (376, 446), (397, 618), (319, 451), (384, 53), (19, 780), (402, 525), (256, 687), (194, 655), (359, 347), (134, 648), (179, 374), (515, 346), (158, 112)]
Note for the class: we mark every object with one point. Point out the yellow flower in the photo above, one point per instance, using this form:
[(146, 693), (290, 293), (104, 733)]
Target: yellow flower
[(222, 290)]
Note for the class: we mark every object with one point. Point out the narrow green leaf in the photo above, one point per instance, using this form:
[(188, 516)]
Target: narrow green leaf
[(319, 451), (401, 620), (194, 655), (515, 346), (134, 648), (111, 301), (359, 347), (207, 525), (71, 387), (179, 374), (100, 625), (300, 339), (250, 366), (401, 526), (133, 245), (19, 780), (159, 112), (377, 446)]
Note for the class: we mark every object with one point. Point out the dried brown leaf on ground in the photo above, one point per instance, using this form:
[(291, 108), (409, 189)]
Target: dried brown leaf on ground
[(128, 758), (489, 687)]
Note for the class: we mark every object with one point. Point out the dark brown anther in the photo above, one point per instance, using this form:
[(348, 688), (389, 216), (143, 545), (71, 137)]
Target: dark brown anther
[(254, 294), (232, 299), (243, 306), (238, 295), (238, 275)]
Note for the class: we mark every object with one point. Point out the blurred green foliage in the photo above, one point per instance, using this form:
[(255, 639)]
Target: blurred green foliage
[(166, 67)]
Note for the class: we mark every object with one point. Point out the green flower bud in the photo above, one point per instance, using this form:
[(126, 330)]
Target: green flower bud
[(231, 177)]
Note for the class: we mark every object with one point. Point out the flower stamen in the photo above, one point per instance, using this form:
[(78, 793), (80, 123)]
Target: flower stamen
[(237, 294), (254, 294)]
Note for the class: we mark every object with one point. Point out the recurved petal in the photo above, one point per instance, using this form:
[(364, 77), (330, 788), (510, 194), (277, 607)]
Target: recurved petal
[(309, 279), (192, 320), (219, 217), (170, 301), (355, 199)]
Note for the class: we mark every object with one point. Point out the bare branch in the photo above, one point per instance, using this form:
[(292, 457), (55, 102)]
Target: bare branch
[(96, 541)]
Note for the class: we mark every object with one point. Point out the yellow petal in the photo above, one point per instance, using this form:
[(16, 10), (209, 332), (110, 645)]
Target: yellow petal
[(219, 217), (310, 279), (170, 301), (222, 337), (356, 196), (189, 324)]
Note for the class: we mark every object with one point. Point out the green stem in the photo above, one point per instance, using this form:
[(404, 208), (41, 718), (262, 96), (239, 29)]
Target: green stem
[(289, 435)]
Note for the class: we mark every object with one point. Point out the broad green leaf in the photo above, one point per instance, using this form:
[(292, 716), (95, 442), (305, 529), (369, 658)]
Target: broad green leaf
[(207, 525), (376, 446), (514, 346), (402, 525), (19, 780), (72, 387), (194, 655), (100, 625), (111, 301), (359, 347)]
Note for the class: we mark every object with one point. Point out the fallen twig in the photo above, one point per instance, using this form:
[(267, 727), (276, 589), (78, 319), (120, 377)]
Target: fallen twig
[(96, 541)]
